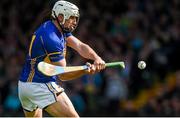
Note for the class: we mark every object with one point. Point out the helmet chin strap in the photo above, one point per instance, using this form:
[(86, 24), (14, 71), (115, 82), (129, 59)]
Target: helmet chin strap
[(60, 25)]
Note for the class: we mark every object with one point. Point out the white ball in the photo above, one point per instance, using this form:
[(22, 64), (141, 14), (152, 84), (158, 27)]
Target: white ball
[(141, 65)]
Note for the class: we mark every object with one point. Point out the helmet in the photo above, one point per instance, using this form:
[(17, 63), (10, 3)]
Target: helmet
[(65, 8)]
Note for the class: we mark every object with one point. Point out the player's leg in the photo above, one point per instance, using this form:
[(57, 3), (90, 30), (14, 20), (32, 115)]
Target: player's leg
[(35, 113), (63, 107)]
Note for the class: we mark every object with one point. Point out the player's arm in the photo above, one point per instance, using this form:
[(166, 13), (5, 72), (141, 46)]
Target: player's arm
[(86, 51), (56, 57), (71, 75), (75, 74)]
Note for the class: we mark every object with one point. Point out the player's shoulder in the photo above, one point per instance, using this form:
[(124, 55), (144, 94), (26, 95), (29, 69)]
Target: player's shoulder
[(48, 26), (45, 26), (45, 29)]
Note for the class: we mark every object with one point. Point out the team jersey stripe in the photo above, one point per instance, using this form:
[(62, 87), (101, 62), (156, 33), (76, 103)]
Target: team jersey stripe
[(32, 41), (39, 56), (31, 75), (32, 72), (55, 53), (46, 59)]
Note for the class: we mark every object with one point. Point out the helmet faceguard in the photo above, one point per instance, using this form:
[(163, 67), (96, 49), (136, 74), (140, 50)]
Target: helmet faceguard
[(67, 9)]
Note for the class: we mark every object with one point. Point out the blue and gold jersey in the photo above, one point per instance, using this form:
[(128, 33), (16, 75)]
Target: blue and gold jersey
[(47, 44)]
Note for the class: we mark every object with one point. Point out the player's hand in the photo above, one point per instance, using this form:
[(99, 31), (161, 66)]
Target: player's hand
[(91, 69), (99, 64)]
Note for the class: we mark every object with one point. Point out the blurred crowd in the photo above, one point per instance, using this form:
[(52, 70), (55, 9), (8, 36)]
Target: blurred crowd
[(117, 30)]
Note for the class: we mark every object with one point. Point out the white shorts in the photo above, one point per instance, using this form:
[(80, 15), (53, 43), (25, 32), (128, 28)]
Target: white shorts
[(37, 95)]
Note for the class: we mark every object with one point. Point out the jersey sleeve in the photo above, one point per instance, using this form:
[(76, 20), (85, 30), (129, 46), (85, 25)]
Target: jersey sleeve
[(67, 34), (54, 46)]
